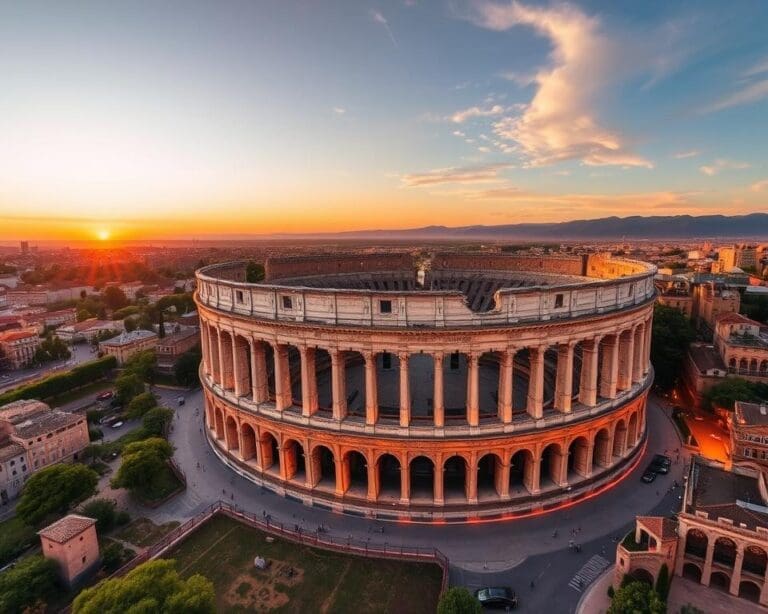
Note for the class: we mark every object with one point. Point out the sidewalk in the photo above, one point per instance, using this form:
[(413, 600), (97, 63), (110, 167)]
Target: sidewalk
[(596, 600)]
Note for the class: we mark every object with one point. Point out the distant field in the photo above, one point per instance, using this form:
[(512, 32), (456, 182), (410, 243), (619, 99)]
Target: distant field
[(300, 578)]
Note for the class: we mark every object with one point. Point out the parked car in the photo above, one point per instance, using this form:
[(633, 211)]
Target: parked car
[(661, 464), (181, 400), (497, 597), (117, 424), (648, 476), (105, 396)]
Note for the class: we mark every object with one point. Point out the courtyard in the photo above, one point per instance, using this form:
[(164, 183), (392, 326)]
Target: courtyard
[(300, 578)]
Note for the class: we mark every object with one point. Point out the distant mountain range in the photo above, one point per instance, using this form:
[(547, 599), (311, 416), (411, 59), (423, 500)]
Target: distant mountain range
[(754, 225)]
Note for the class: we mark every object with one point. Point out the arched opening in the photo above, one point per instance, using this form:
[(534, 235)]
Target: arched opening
[(422, 479), (549, 474), (215, 366), (619, 439), (692, 572), (269, 361), (227, 376), (324, 468), (270, 461), (455, 387), (632, 431), (725, 551), (248, 436), (732, 364), (355, 475), (354, 368), (601, 455), (696, 543), (749, 590), (489, 365), (764, 367), (754, 560), (753, 366), (642, 575), (720, 581), (388, 373), (743, 365), (455, 480), (489, 475), (231, 436), (294, 461), (389, 469), (421, 378), (243, 360), (219, 424), (294, 375), (521, 471), (579, 464)]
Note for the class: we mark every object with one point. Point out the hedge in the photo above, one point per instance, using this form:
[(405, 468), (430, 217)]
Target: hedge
[(59, 383)]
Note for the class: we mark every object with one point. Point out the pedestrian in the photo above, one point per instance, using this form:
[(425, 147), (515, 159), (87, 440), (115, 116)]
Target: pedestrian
[(533, 584)]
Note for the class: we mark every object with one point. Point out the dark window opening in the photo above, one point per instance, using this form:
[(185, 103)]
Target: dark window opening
[(287, 302), (558, 301), (386, 360), (454, 361), (385, 306)]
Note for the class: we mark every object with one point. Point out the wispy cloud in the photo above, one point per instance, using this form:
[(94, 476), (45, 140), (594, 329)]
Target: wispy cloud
[(559, 122), (379, 18), (681, 155), (339, 110), (759, 186), (756, 69), (459, 117), (458, 133), (721, 164), (745, 95), (474, 174)]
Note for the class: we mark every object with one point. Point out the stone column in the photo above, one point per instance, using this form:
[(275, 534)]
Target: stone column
[(214, 347), (338, 384), (589, 369), (308, 381), (371, 390), (340, 466), (470, 479), (562, 477), (282, 377), (438, 404), (637, 357), (405, 481), (222, 371), (564, 379), (610, 367), (405, 390), (259, 372), (736, 575), (473, 389), (205, 345), (373, 480), (506, 377), (532, 475), (535, 407), (503, 480), (706, 573), (626, 354), (648, 339), (438, 488), (237, 368)]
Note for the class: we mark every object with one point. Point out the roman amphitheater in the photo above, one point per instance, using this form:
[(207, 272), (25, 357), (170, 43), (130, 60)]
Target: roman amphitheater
[(449, 387)]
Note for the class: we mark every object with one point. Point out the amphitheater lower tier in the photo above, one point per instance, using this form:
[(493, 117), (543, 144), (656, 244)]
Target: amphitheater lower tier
[(376, 472)]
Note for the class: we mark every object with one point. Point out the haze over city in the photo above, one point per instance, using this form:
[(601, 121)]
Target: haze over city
[(185, 119)]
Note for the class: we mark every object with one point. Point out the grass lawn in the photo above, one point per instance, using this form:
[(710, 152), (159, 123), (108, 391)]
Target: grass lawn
[(74, 395), (15, 536), (143, 532), (223, 550)]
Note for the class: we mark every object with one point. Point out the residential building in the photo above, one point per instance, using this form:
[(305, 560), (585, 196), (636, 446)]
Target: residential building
[(172, 346), (703, 369), (749, 433), (71, 542), (674, 291), (710, 300), (743, 345), (18, 347), (88, 330), (127, 344), (14, 470)]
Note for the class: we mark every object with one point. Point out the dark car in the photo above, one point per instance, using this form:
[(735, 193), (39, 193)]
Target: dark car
[(661, 464), (497, 597), (649, 475)]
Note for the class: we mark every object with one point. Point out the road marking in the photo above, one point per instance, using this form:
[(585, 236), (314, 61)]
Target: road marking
[(589, 571)]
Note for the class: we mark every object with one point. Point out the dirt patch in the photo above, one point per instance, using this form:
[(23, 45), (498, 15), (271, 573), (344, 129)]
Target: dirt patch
[(260, 590)]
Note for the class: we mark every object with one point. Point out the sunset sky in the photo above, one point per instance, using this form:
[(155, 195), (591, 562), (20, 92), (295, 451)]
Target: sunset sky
[(186, 119)]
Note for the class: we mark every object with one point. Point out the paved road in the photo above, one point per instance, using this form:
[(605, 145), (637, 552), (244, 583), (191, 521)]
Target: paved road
[(712, 439), (80, 353), (513, 553)]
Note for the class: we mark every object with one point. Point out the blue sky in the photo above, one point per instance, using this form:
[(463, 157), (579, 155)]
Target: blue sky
[(278, 116)]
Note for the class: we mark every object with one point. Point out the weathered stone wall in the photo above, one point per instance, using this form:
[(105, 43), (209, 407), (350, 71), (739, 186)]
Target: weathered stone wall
[(562, 265), (281, 268)]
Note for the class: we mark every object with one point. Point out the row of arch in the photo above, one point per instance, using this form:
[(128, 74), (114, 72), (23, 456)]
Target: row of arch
[(442, 389), (747, 366), (381, 475)]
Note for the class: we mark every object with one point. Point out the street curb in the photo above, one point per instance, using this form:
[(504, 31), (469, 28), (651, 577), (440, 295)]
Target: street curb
[(595, 582)]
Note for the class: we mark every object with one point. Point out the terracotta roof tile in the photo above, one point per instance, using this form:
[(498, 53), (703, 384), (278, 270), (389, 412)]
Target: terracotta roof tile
[(68, 527)]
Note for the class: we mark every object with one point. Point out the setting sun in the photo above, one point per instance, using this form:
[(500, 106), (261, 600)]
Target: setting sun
[(103, 234)]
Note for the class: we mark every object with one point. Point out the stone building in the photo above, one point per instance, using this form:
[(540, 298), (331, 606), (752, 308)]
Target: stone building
[(748, 427), (128, 344), (18, 347), (71, 542), (712, 299), (174, 345), (481, 384), (641, 554), (14, 470), (743, 345), (88, 330)]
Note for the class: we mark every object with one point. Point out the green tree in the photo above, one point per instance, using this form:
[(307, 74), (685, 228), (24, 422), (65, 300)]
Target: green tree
[(254, 272), (187, 369), (154, 586), (458, 600), (92, 452), (156, 420), (142, 364), (140, 405), (55, 489), (128, 386), (114, 298), (637, 598), (33, 578), (143, 463), (662, 582), (51, 348), (733, 389), (129, 324), (103, 511), (671, 335)]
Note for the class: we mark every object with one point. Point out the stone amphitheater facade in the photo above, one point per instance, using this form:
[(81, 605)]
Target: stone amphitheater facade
[(456, 387)]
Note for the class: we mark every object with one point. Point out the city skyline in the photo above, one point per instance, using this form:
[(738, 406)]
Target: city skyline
[(192, 119)]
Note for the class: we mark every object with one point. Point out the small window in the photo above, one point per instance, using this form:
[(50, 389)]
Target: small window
[(558, 301), (83, 560), (13, 462), (239, 296), (287, 302), (81, 538), (385, 306)]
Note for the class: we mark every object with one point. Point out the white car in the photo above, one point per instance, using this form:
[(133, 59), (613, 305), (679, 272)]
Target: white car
[(117, 424)]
